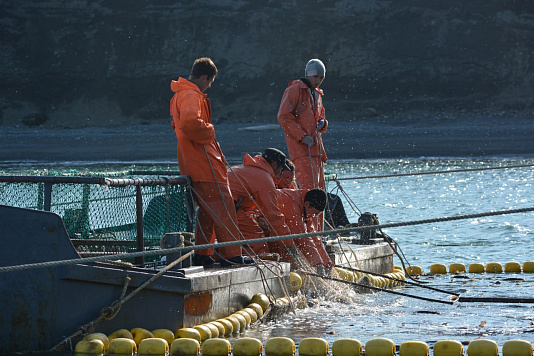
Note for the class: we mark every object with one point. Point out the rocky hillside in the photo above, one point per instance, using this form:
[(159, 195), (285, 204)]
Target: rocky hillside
[(83, 63)]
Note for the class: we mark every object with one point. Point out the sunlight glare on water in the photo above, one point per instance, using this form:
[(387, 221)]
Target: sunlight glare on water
[(500, 238)]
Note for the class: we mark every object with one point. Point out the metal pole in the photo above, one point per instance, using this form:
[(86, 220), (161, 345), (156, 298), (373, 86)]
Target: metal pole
[(47, 196), (140, 260)]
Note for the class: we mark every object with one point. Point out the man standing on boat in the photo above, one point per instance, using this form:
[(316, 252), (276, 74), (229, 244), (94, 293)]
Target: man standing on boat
[(253, 188), (200, 157), (302, 117)]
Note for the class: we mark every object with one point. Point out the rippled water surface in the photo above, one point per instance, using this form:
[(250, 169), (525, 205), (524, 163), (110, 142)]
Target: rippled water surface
[(409, 198)]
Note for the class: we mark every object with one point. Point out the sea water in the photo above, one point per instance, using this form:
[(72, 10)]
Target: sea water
[(416, 197)]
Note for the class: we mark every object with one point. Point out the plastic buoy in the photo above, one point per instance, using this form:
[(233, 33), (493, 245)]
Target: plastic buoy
[(438, 268), (380, 346), (228, 326), (252, 313), (164, 334), (185, 347), (344, 274), (528, 267), (247, 317), (257, 308), (153, 346), (242, 321), (512, 267), (213, 329), (262, 300), (482, 347), (216, 347), (247, 346), (493, 267), (204, 331), (313, 346), (347, 347), (95, 347), (414, 270), (189, 333), (457, 268), (448, 348), (121, 333), (140, 334), (122, 346), (98, 336), (414, 348), (517, 348), (219, 326), (236, 325), (295, 281), (476, 268), (279, 346)]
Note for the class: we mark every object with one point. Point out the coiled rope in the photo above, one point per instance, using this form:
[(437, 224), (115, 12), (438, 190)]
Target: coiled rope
[(265, 239)]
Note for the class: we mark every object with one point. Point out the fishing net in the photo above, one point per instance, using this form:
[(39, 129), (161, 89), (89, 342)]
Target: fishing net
[(103, 219)]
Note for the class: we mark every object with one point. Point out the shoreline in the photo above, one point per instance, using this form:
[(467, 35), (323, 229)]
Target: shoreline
[(370, 138)]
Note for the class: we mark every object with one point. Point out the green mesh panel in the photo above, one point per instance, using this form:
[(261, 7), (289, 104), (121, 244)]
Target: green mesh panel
[(102, 219)]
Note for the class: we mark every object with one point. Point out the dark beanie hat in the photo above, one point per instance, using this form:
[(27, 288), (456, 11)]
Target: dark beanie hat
[(317, 198), (275, 155)]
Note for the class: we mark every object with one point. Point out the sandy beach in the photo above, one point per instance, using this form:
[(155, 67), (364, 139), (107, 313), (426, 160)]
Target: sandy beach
[(369, 138)]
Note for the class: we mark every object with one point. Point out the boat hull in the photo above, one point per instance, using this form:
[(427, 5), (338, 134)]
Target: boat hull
[(42, 306)]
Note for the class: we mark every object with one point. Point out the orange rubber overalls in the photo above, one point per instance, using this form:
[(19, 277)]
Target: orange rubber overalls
[(291, 202), (255, 178)]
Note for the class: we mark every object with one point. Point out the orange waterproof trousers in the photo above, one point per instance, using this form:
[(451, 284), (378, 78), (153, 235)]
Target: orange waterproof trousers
[(216, 218)]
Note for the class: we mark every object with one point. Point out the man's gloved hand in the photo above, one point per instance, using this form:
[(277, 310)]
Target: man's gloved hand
[(320, 270), (307, 140), (320, 124), (293, 251)]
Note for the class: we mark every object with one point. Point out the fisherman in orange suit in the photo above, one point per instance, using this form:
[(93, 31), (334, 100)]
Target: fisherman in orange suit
[(253, 187), (299, 207), (302, 117), (200, 157)]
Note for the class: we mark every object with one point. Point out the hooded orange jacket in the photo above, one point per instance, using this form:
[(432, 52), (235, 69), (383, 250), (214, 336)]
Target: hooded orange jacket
[(256, 177), (191, 120), (299, 118)]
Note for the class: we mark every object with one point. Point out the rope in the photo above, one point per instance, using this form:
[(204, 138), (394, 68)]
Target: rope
[(436, 172), (110, 312), (380, 289), (264, 239)]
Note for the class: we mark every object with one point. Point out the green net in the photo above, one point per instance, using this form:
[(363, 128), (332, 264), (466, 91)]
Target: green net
[(102, 218)]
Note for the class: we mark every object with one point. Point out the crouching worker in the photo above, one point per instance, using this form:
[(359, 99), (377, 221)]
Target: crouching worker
[(253, 187), (300, 207)]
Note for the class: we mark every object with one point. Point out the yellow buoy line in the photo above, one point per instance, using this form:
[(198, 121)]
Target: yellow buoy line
[(490, 267), (190, 343)]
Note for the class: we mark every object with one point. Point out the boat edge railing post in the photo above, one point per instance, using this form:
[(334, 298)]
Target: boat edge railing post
[(140, 260), (47, 196)]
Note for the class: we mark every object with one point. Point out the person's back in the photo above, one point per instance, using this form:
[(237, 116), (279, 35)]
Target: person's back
[(254, 191)]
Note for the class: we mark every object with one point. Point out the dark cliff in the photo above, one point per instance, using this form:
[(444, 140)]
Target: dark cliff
[(97, 63)]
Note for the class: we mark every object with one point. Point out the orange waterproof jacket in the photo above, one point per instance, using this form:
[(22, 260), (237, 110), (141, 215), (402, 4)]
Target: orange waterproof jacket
[(298, 119), (256, 177), (191, 120), (291, 202)]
